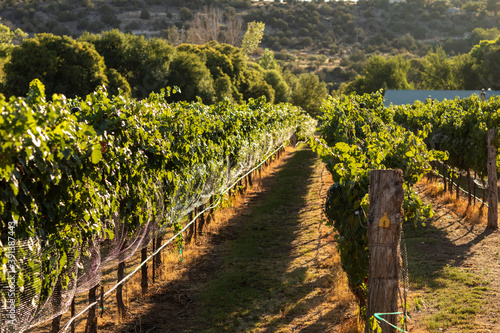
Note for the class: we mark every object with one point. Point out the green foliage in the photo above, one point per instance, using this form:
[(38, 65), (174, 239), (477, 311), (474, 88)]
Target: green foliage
[(252, 37), (185, 14), (281, 89), (359, 135), (381, 73), (268, 62), (223, 60), (493, 6), (438, 72), (117, 84), (486, 57), (64, 174), (64, 65), (190, 74), (223, 88), (479, 34), (309, 93), (254, 84), (144, 63), (8, 39), (457, 126)]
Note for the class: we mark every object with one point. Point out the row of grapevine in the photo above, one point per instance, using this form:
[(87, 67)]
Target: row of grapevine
[(84, 182), (456, 126), (358, 134)]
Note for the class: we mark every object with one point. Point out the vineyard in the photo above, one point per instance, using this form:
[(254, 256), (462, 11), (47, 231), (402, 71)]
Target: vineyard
[(359, 134), (86, 183)]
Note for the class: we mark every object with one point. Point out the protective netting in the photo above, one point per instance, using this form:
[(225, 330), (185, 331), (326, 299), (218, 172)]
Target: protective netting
[(24, 310)]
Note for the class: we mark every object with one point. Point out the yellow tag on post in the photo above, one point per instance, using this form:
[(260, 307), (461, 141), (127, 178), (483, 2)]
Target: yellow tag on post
[(384, 221)]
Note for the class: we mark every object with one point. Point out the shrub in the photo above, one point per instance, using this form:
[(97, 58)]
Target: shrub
[(67, 16), (145, 15)]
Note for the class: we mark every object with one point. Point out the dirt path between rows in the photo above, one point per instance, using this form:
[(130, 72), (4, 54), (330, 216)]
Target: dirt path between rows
[(271, 266)]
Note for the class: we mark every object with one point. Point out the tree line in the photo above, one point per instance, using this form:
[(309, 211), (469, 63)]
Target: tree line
[(136, 66), (477, 69)]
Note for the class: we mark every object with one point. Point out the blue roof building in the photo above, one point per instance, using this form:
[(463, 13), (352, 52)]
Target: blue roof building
[(401, 97)]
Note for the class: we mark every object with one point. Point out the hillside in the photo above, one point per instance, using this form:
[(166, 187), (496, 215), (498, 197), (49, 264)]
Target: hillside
[(331, 39)]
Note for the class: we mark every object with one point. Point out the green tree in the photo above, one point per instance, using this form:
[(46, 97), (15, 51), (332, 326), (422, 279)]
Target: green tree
[(223, 88), (185, 14), (224, 61), (438, 71), (466, 75), (310, 93), (268, 61), (117, 84), (143, 62), (472, 7), (254, 85), (9, 38), (486, 57), (479, 34), (492, 6), (275, 80), (64, 66), (252, 37), (189, 73), (381, 73)]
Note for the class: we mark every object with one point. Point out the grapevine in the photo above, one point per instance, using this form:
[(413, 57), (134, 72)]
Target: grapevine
[(358, 135), (69, 168)]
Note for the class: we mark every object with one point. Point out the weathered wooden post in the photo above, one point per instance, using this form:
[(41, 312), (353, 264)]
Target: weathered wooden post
[(153, 266), (445, 181), (119, 291), (72, 313), (384, 234), (144, 271), (459, 181), (157, 258), (91, 326), (469, 187), (492, 182), (202, 220), (56, 306), (101, 300)]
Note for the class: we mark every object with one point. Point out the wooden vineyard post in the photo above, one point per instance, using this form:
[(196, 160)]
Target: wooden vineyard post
[(210, 213), (153, 266), (195, 223), (293, 140), (452, 176), (469, 187), (445, 182), (191, 227), (144, 270), (119, 291), (56, 306), (72, 312), (101, 301), (492, 182), (474, 190), (157, 258), (202, 220), (384, 233), (91, 326)]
